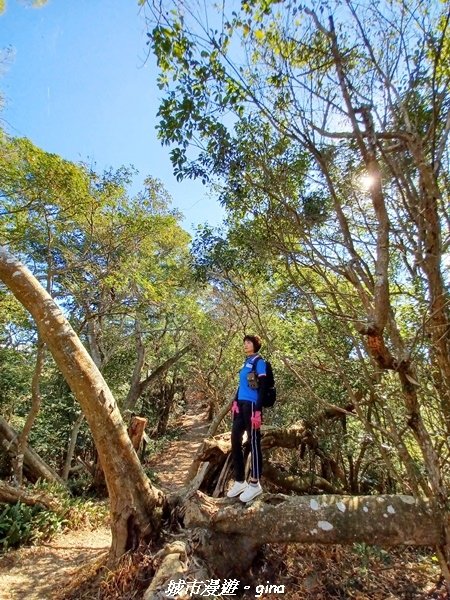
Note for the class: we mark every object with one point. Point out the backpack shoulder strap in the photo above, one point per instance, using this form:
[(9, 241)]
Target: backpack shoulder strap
[(255, 362)]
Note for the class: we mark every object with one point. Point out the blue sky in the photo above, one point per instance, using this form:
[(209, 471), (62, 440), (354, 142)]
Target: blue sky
[(79, 84)]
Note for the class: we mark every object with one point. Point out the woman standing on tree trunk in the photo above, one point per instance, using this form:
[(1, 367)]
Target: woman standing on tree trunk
[(247, 416)]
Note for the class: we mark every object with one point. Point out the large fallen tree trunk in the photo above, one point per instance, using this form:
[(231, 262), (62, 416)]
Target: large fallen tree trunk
[(35, 468), (389, 520), (329, 519), (11, 494)]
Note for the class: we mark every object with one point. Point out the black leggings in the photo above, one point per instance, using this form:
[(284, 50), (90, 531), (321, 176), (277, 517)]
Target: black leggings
[(241, 423)]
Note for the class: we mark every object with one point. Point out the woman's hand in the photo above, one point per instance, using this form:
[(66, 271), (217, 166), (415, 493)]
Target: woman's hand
[(256, 419)]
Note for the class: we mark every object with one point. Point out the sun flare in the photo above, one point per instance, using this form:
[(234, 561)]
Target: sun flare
[(366, 181)]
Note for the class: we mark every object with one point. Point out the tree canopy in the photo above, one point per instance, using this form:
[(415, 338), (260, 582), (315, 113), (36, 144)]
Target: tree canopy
[(323, 128)]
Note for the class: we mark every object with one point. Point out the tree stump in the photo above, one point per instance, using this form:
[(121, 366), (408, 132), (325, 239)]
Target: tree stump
[(136, 431)]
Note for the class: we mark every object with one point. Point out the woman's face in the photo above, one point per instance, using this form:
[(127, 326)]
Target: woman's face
[(248, 347)]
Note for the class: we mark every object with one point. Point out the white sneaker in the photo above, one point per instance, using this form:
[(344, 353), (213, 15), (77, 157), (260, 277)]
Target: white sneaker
[(251, 492), (237, 488)]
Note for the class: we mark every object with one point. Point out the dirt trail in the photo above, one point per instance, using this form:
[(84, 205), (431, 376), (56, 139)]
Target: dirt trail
[(35, 573), (173, 464), (38, 572)]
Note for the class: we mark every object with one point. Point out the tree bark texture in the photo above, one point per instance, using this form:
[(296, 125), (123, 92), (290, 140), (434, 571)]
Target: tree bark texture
[(136, 431), (171, 561), (136, 506), (389, 520), (94, 337)]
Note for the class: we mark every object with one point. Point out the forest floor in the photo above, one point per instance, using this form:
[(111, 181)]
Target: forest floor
[(361, 572), (39, 572), (172, 463)]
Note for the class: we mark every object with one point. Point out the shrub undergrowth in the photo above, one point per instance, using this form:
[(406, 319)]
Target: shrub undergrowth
[(21, 524)]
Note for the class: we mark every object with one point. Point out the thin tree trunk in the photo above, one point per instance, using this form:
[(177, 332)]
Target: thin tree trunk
[(137, 387), (71, 447), (35, 406), (94, 346), (93, 336)]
